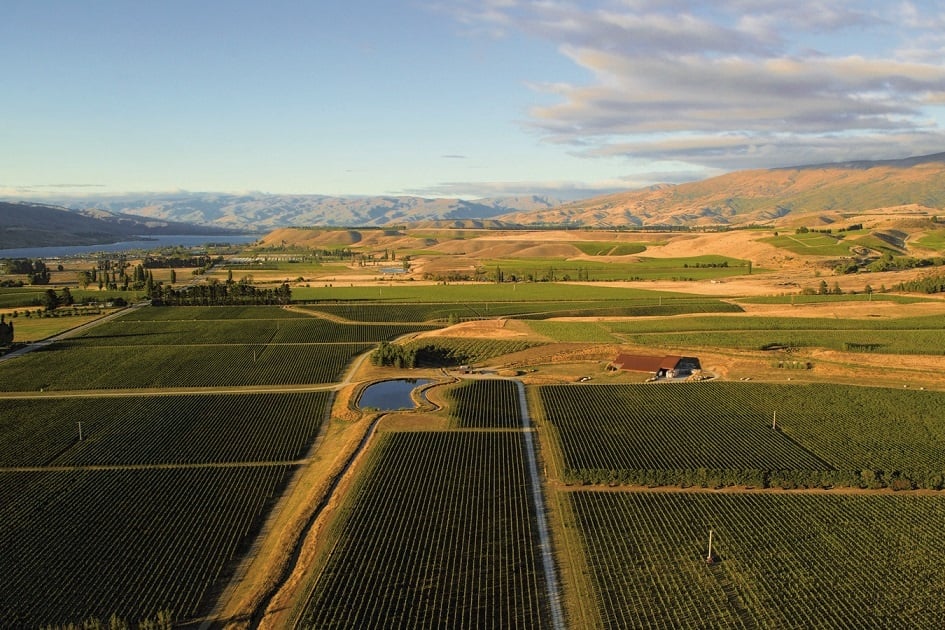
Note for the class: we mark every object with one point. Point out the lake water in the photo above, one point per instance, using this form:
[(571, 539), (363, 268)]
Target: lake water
[(153, 242), (391, 395)]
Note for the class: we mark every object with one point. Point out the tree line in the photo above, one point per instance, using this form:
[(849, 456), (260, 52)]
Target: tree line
[(930, 284), (216, 293), (36, 270)]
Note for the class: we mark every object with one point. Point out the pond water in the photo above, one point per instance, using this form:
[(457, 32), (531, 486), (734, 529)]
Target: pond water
[(391, 395)]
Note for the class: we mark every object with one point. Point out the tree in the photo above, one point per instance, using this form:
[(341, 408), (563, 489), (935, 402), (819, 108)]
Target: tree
[(40, 273), (6, 332), (173, 277), (50, 300), (66, 299)]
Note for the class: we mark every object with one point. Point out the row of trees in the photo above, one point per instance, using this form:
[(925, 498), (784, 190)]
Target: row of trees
[(428, 355), (216, 293), (36, 270), (930, 284), (850, 228), (117, 278), (164, 262), (393, 355)]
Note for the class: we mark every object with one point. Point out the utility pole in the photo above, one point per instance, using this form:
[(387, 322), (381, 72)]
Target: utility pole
[(80, 431), (709, 559), (774, 420)]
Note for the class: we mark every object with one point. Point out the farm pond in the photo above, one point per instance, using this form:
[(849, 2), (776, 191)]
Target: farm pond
[(391, 395)]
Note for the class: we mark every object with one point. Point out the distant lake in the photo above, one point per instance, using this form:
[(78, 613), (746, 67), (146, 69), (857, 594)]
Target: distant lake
[(153, 242)]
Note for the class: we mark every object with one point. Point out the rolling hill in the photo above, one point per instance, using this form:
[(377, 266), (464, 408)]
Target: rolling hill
[(816, 195)]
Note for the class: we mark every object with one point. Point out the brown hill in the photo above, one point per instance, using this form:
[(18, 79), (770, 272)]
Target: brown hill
[(786, 197)]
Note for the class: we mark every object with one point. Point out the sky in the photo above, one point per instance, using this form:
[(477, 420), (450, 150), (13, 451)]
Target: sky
[(455, 98)]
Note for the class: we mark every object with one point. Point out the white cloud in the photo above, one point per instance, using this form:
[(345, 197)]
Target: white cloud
[(733, 82)]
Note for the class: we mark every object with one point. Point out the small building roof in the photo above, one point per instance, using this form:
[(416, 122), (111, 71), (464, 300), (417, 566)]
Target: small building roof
[(646, 363)]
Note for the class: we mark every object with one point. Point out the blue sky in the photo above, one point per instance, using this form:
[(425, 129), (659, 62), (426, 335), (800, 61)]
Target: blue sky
[(455, 98)]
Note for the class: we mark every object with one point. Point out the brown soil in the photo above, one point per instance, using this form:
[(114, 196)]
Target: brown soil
[(283, 537), (276, 545), (490, 329)]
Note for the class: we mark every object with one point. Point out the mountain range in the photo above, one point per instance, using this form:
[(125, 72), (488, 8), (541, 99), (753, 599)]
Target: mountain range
[(811, 195), (40, 225), (259, 212)]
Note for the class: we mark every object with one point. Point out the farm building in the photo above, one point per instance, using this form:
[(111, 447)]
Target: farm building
[(661, 367)]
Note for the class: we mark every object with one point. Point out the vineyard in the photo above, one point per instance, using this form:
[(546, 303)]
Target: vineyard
[(124, 332), (721, 434), (139, 430), (133, 504), (490, 403), (199, 347), (166, 492), (782, 561), (453, 351), (533, 309), (191, 313), (534, 269), (485, 293), (128, 542), (914, 335), (394, 312), (70, 366), (438, 532)]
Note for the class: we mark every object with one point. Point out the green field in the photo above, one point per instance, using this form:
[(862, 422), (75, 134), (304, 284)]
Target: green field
[(911, 335), (167, 491), (489, 403), (199, 347), (125, 332), (721, 434), (604, 248), (443, 312), (214, 313), (476, 293), (130, 542), (149, 430), (80, 366), (934, 239), (795, 298), (561, 269), (574, 332), (811, 244), (163, 495), (455, 351), (782, 561), (439, 532)]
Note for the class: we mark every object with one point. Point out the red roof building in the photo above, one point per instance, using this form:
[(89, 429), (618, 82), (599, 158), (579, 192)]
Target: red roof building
[(660, 366)]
